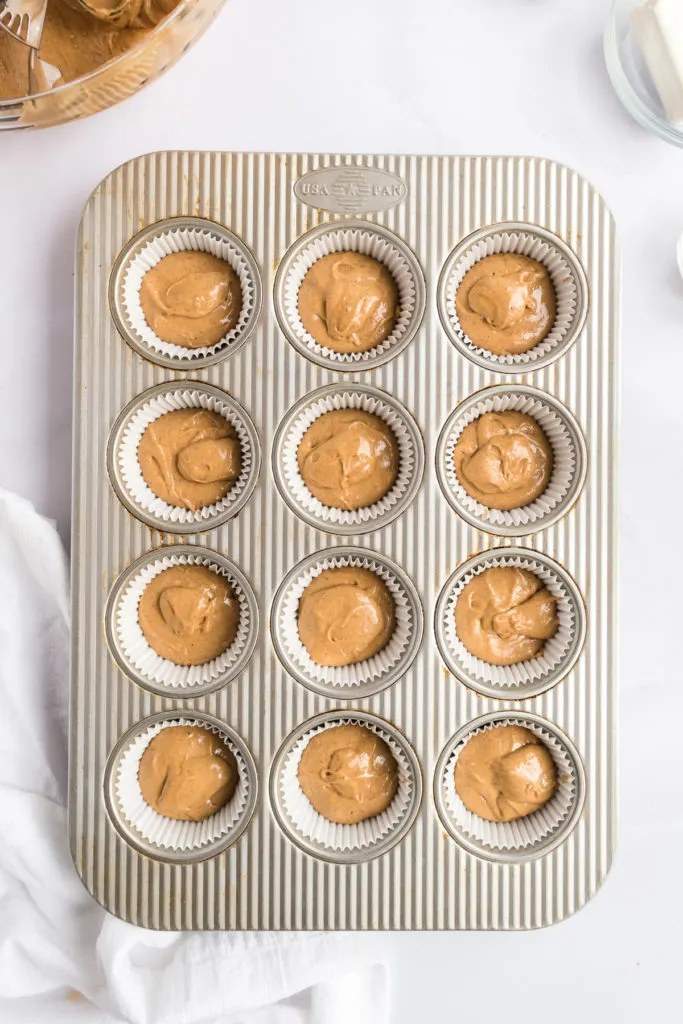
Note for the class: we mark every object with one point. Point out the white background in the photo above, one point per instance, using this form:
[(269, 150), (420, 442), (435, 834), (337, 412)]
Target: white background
[(432, 76)]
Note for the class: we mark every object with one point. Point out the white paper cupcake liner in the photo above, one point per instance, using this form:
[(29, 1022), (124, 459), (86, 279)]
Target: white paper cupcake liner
[(569, 282), (569, 462), (526, 678), (306, 822), (184, 237), (410, 466), (167, 833), (142, 661), (364, 677), (370, 240), (524, 834), (151, 406)]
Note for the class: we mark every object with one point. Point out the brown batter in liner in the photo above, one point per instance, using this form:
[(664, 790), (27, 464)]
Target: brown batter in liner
[(191, 299), (189, 614), (506, 303), (187, 773), (504, 615), (503, 460), (348, 773), (190, 458), (505, 773), (348, 458), (348, 302), (346, 615)]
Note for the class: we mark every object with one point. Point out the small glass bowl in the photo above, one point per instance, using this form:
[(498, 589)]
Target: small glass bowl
[(630, 76)]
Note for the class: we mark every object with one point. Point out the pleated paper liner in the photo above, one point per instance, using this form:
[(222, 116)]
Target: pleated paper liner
[(527, 837), (569, 460), (348, 682), (291, 483), (165, 838), (138, 659), (181, 234), (370, 240), (345, 844), (527, 678), (566, 273), (124, 466)]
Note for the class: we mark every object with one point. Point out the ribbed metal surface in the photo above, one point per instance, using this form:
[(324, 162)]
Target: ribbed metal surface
[(427, 881)]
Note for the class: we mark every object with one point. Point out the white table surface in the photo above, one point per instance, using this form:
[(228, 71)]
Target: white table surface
[(432, 76)]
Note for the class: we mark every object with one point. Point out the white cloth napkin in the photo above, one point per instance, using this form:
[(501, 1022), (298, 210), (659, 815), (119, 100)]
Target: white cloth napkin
[(62, 958)]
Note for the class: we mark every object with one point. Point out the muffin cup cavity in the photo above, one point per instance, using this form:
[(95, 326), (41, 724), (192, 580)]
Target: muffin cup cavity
[(569, 460), (167, 838), (328, 840), (527, 837), (370, 240), (527, 678), (291, 483), (145, 251), (124, 466), (566, 273), (348, 682), (140, 661)]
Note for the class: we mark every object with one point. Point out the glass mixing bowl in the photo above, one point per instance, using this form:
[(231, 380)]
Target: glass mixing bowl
[(120, 78), (630, 76)]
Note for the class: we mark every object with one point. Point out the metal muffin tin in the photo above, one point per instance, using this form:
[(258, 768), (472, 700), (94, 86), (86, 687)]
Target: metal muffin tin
[(427, 875)]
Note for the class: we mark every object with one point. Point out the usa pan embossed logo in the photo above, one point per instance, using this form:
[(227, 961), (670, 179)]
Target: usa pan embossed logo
[(351, 189)]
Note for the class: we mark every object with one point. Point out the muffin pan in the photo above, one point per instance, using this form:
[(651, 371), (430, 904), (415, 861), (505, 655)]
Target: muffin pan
[(266, 861)]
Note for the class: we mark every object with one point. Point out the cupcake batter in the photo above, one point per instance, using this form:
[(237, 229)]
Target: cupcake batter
[(503, 460), (346, 615), (77, 41), (348, 773), (348, 302), (348, 458), (505, 773), (506, 303), (190, 458), (504, 615), (191, 299), (189, 614), (187, 773)]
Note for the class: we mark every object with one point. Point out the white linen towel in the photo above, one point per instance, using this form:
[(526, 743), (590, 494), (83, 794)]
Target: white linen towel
[(62, 958)]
